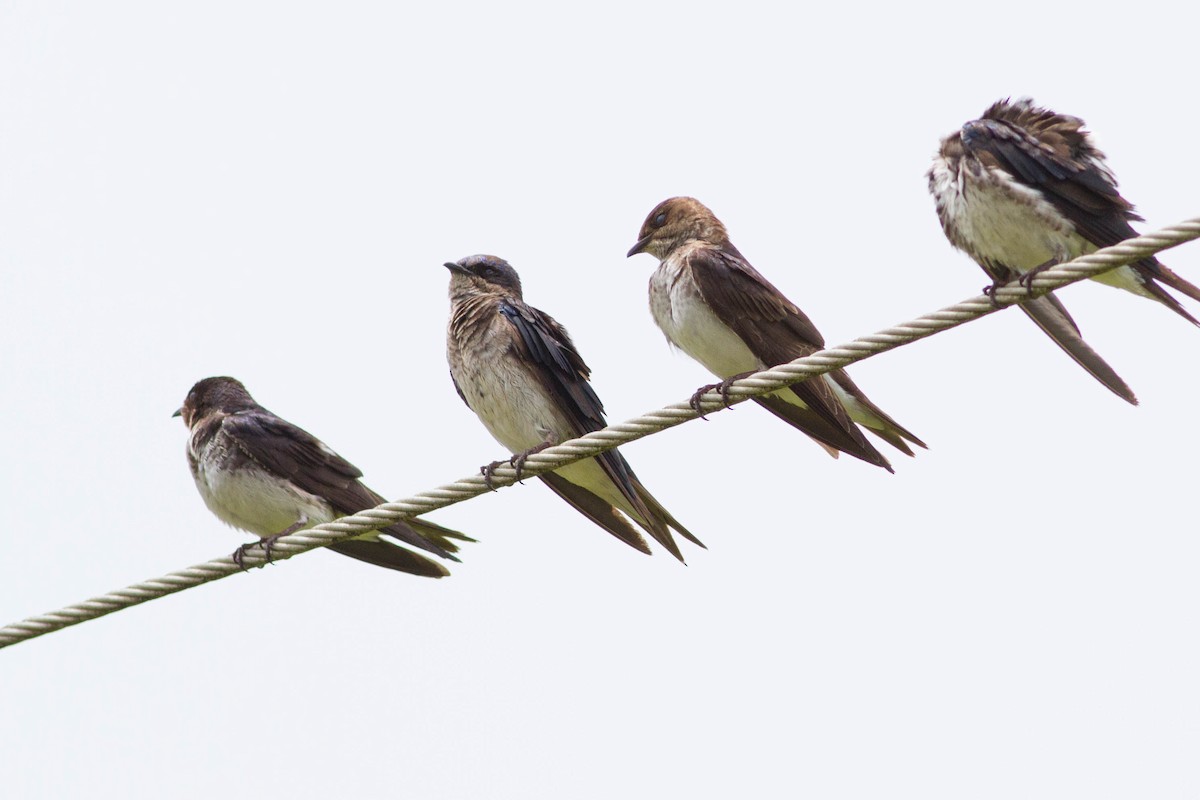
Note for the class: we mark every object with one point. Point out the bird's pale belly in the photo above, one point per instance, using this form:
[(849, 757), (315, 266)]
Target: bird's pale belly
[(1023, 232), (510, 403), (1020, 233), (258, 502), (694, 328), (691, 325)]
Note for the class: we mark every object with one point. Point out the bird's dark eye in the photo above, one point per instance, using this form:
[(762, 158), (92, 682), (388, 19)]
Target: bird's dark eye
[(659, 220)]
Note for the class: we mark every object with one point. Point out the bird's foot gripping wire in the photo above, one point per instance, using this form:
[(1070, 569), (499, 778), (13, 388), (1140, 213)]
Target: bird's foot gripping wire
[(989, 291), (517, 462), (696, 400), (1026, 278), (267, 543)]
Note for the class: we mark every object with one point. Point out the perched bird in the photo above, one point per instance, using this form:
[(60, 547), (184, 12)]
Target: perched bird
[(721, 311), (1023, 188), (261, 473), (518, 370)]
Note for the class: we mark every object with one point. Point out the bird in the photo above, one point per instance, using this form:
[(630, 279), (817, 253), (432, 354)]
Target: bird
[(260, 473), (1023, 188), (713, 305), (518, 370)]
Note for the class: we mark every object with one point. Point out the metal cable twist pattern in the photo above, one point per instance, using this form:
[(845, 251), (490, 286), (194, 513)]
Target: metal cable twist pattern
[(614, 435)]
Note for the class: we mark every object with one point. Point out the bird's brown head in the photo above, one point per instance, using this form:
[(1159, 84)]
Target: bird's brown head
[(212, 395), (674, 222), (483, 274)]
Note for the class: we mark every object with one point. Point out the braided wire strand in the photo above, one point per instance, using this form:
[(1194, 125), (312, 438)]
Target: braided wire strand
[(613, 436)]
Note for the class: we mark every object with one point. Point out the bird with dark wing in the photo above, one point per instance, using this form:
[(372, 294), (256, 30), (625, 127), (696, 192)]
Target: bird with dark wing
[(1023, 188), (519, 371), (258, 472), (713, 305)]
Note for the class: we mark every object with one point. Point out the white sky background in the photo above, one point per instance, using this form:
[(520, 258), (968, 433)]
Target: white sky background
[(269, 191)]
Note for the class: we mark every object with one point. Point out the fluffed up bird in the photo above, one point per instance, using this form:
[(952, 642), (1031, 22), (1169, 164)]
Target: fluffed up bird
[(713, 305), (519, 371), (1023, 188), (261, 473)]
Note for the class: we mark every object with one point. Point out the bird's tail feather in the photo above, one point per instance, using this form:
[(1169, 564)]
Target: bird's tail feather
[(664, 517), (382, 553), (1051, 316), (633, 499), (872, 417), (445, 538), (1175, 281), (1153, 271), (597, 510), (827, 434)]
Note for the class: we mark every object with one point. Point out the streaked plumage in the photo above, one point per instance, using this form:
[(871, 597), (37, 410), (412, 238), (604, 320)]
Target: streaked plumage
[(712, 304), (1022, 188), (519, 371), (258, 472)]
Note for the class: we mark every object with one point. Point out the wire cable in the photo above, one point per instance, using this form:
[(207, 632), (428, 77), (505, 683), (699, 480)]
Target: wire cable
[(614, 435)]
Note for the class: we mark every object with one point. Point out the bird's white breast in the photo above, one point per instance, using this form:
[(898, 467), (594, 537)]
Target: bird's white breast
[(508, 398), (251, 499), (689, 324)]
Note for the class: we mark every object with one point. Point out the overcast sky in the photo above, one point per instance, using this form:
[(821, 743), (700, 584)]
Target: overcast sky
[(269, 190)]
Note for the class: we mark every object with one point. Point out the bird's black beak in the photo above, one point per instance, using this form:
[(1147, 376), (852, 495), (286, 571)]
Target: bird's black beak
[(640, 247), (178, 412), (454, 266)]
